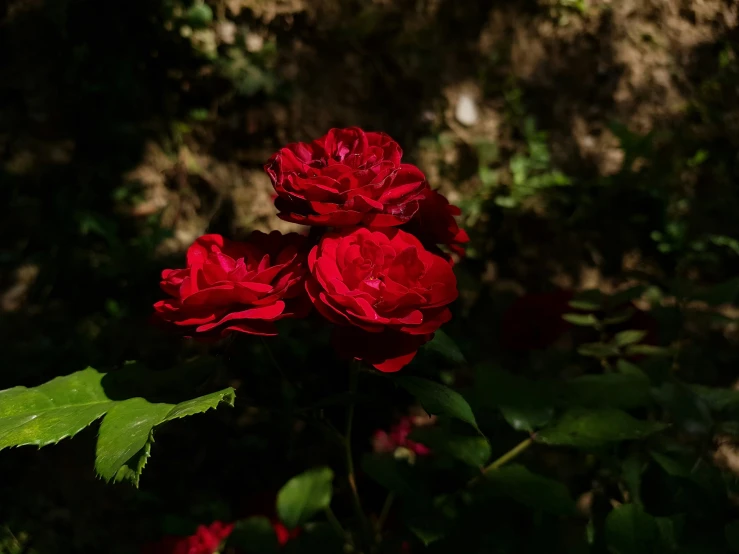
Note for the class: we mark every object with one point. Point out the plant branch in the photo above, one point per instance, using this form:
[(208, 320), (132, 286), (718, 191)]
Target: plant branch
[(504, 459)]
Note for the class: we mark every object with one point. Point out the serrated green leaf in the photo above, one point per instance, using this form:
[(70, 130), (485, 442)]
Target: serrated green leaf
[(305, 495), (438, 399), (624, 338), (64, 406), (597, 350), (583, 320), (532, 490), (445, 345), (594, 428), (472, 450)]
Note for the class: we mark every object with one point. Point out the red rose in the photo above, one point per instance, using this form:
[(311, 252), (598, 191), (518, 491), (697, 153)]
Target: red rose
[(236, 286), (206, 540), (434, 223), (397, 437), (345, 178), (387, 293)]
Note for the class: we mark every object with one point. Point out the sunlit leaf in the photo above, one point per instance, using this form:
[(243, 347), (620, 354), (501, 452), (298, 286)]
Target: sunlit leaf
[(64, 406), (624, 338), (598, 350), (583, 320), (305, 495)]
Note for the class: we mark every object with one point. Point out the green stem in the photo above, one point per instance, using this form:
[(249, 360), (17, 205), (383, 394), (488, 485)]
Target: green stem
[(354, 383), (504, 459)]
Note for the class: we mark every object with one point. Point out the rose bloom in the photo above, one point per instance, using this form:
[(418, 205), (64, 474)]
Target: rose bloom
[(236, 286), (384, 290), (397, 437), (206, 540), (347, 177), (434, 223)]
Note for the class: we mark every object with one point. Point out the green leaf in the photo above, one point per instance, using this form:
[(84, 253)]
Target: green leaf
[(437, 399), (624, 338), (723, 293), (619, 317), (597, 350), (531, 490), (717, 399), (64, 406), (305, 495), (587, 300), (647, 350), (445, 345), (672, 466), (731, 532), (627, 368), (525, 404), (593, 428), (584, 320), (254, 535), (472, 450), (625, 296), (609, 390), (630, 530), (199, 15)]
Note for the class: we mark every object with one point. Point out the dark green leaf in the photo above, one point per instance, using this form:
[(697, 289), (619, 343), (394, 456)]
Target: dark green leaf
[(305, 495), (630, 530), (677, 467), (597, 350), (632, 469), (395, 475), (688, 410), (66, 405), (647, 350), (593, 428), (254, 535), (731, 532), (619, 317), (199, 15), (627, 295), (526, 405), (624, 338), (589, 300), (445, 345), (609, 390), (717, 399), (584, 320), (472, 450), (723, 293), (531, 490), (438, 399), (627, 368)]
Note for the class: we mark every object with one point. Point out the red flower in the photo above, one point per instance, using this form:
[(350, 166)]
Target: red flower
[(206, 540), (285, 535), (236, 286), (397, 437), (345, 178), (434, 223), (387, 293), (534, 321)]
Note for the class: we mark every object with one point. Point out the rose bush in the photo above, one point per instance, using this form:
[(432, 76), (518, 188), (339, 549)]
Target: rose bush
[(384, 290), (236, 286), (347, 177)]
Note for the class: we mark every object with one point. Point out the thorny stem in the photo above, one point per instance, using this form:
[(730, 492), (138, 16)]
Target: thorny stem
[(354, 382)]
